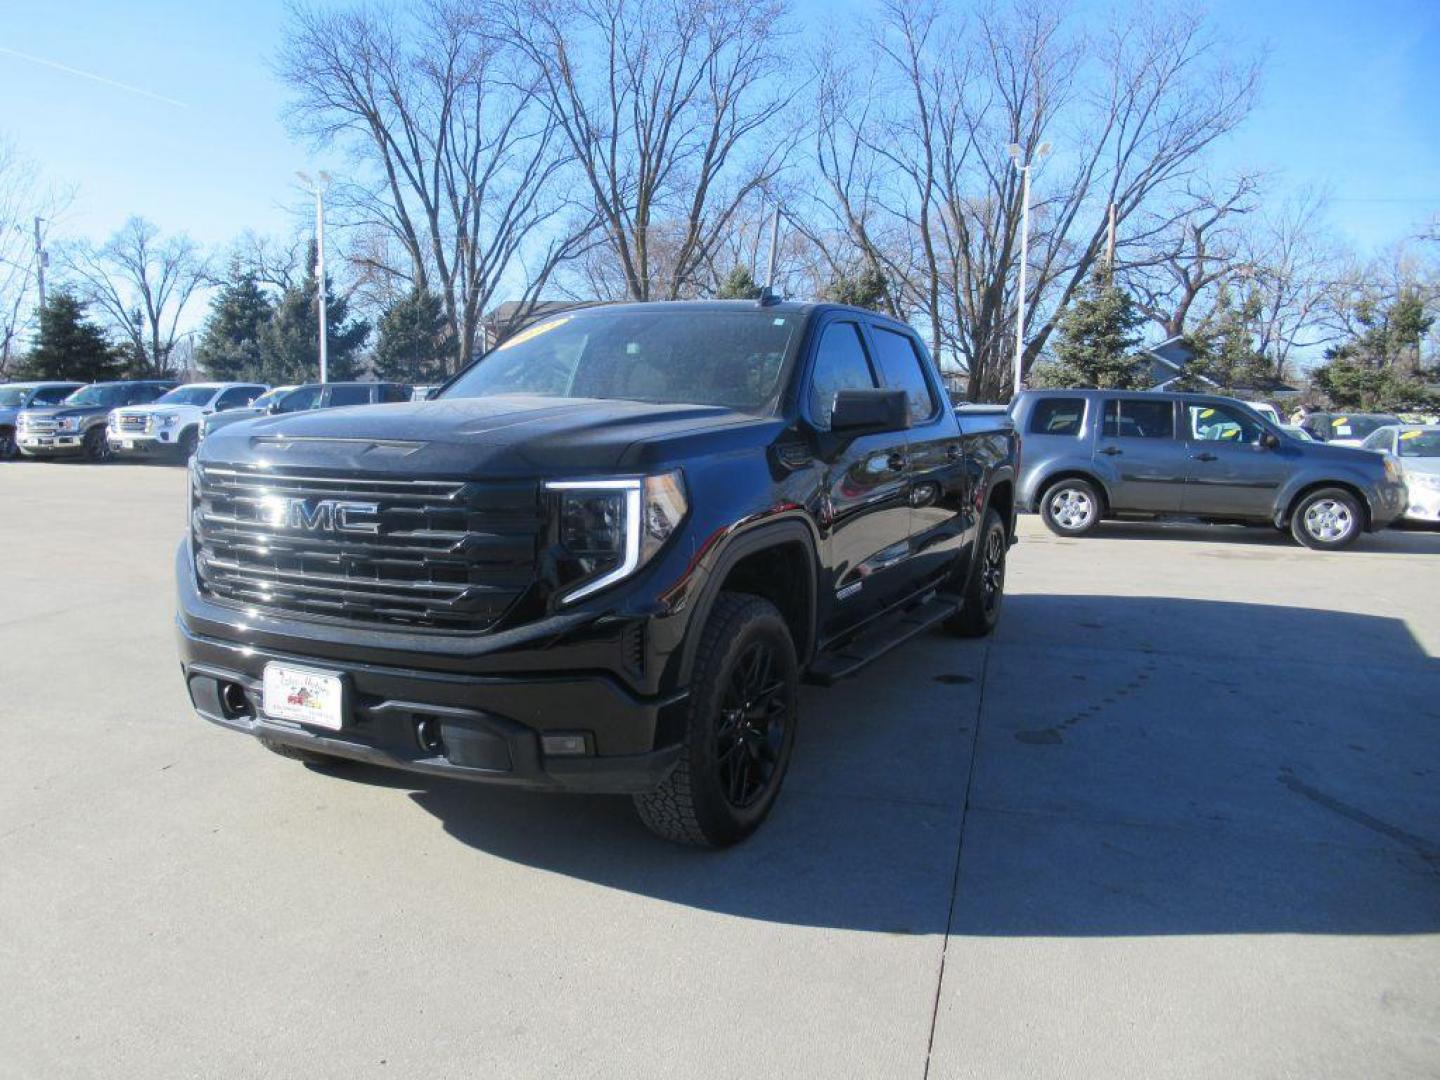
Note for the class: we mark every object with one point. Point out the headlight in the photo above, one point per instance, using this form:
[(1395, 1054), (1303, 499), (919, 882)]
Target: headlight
[(1392, 471), (608, 529), (65, 423)]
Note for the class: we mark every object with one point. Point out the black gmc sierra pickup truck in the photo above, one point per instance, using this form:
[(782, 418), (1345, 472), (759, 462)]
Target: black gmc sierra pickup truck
[(603, 559)]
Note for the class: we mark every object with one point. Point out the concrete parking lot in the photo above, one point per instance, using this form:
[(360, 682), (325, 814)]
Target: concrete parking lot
[(1181, 817)]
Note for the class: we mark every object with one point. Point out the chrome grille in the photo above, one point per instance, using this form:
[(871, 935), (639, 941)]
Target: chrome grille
[(36, 425), (442, 554), (139, 422)]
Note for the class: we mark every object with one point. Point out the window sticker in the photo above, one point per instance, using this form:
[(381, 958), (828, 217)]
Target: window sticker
[(1406, 435), (531, 333)]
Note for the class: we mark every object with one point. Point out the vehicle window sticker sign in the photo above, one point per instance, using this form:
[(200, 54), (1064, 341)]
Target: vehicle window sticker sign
[(532, 333)]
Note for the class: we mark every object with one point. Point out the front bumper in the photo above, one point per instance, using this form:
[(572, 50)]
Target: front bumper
[(481, 720), (67, 442), (1387, 503), (1424, 505), (133, 444)]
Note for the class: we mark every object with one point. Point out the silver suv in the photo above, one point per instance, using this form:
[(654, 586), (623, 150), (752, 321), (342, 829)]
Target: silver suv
[(1093, 454)]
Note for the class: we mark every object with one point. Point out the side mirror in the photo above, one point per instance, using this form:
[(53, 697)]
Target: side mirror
[(1269, 440), (870, 412)]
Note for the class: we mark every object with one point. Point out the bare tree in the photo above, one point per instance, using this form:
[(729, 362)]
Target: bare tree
[(143, 283), (458, 161), (24, 198), (668, 106), (1198, 246), (918, 159)]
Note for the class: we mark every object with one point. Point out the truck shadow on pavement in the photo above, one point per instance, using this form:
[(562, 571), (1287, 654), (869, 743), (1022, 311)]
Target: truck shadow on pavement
[(1142, 766), (1409, 541)]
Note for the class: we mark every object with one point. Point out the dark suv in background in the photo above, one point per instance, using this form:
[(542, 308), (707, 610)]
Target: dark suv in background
[(77, 425), (1092, 454), (296, 399)]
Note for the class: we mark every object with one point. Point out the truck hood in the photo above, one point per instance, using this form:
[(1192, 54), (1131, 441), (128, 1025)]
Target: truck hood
[(187, 411), (1351, 455), (490, 437), (58, 412)]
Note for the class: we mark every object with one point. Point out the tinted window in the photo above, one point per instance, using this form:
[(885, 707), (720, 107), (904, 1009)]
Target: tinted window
[(840, 364), (394, 392), (1057, 416), (348, 395), (901, 369), (298, 400), (236, 397), (1221, 423), (1139, 420), (51, 395), (1420, 444), (145, 393)]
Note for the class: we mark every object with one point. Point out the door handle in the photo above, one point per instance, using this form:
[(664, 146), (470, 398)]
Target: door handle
[(1206, 457), (1112, 450), (896, 462)]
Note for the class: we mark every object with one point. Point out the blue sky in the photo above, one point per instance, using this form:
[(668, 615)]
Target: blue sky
[(1351, 102)]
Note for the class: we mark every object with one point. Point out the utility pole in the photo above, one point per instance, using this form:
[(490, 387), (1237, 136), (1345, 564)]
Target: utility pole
[(1024, 169), (1110, 241), (767, 291), (42, 258), (319, 190)]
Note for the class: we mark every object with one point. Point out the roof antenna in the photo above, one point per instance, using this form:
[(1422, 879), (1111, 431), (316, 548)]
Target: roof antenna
[(767, 291)]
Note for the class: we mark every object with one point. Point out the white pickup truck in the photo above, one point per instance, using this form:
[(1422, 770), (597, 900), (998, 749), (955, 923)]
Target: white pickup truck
[(170, 425)]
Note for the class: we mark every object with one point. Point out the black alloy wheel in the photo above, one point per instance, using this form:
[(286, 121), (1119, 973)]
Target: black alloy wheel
[(96, 445), (984, 591), (751, 726)]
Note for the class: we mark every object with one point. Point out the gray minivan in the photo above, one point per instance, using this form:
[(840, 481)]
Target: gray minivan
[(1093, 454)]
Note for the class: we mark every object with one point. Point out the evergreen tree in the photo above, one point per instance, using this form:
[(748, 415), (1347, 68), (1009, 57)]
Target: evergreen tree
[(230, 347), (1096, 341), (866, 288), (69, 346), (1226, 353), (290, 344), (739, 284), (415, 344)]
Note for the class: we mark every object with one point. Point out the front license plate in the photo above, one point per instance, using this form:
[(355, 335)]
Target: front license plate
[(303, 696), (127, 444)]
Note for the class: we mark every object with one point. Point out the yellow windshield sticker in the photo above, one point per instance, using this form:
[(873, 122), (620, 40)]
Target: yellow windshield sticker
[(1206, 412), (531, 333), (1340, 420), (1410, 435)]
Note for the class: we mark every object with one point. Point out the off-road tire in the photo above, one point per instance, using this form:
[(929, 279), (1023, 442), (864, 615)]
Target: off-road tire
[(1323, 510), (1063, 522), (96, 445), (692, 805), (985, 588)]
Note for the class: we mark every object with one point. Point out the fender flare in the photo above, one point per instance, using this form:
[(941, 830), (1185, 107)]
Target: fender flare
[(738, 546)]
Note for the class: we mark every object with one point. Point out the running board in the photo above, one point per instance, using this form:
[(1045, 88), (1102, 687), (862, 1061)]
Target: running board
[(875, 641)]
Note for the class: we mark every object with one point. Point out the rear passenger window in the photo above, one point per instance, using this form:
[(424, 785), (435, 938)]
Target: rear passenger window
[(348, 395), (901, 369), (1139, 420), (839, 365), (1057, 416), (392, 392)]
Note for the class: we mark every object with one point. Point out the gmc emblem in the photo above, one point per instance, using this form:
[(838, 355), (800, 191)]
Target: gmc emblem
[(321, 515)]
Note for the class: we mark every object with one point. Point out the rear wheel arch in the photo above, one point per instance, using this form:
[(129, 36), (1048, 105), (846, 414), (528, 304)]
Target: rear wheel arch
[(1073, 474)]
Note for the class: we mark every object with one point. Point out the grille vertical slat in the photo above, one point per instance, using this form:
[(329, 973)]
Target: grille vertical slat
[(452, 555)]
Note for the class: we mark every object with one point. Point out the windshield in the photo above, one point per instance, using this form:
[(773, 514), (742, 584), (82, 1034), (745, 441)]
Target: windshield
[(187, 395), (11, 396), (265, 400), (100, 394), (729, 358), (1419, 443), (1357, 427)]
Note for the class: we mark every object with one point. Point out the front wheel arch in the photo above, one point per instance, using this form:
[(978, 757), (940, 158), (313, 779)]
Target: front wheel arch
[(1284, 520)]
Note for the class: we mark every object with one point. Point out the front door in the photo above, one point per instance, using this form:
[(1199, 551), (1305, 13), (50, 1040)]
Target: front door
[(1143, 464), (865, 507), (1232, 473)]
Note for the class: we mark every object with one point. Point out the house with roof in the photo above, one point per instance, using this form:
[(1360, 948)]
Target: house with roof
[(1173, 360)]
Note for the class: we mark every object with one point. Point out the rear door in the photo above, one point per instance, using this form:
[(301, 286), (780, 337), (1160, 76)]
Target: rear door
[(1231, 473), (339, 395), (1143, 464), (865, 507), (941, 517)]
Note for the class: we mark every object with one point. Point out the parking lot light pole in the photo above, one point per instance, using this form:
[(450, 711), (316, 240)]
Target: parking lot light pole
[(1024, 170), (319, 191)]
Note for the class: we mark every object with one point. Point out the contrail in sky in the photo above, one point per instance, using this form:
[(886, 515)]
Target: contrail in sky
[(93, 77)]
